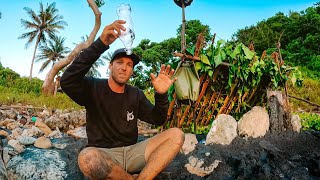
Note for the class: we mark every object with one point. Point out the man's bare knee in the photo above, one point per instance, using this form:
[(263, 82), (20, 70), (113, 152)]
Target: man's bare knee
[(94, 164), (176, 135)]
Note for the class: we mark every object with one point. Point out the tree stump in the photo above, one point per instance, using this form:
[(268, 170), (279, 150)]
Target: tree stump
[(279, 112)]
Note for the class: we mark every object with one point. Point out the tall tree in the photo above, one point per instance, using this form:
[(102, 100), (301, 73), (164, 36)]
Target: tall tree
[(193, 29), (93, 71), (298, 33), (154, 54), (43, 25), (48, 84), (52, 52)]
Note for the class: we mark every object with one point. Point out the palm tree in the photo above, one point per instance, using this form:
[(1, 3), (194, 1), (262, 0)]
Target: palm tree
[(107, 58), (43, 25), (52, 52), (93, 71)]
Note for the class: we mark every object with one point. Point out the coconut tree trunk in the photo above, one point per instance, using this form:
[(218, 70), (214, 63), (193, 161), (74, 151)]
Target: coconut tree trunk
[(48, 84), (34, 55)]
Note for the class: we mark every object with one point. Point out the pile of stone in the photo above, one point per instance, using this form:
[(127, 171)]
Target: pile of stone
[(30, 139)]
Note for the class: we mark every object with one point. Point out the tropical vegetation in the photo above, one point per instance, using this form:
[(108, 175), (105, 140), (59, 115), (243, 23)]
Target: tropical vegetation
[(42, 25), (281, 49)]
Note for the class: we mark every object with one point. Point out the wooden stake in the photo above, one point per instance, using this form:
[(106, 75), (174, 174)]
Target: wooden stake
[(204, 103)]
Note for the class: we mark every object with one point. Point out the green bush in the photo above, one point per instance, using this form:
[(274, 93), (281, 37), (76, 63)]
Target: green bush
[(24, 85), (7, 77), (310, 121)]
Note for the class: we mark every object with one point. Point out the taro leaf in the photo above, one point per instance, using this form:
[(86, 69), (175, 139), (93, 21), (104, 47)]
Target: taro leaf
[(246, 74), (210, 73), (236, 51), (254, 82), (170, 92), (198, 66), (294, 79), (249, 54), (191, 50), (220, 42), (209, 52), (205, 59), (221, 55), (206, 68), (252, 69)]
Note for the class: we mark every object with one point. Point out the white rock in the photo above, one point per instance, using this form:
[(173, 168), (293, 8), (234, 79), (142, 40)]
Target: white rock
[(43, 143), (6, 156), (254, 123), (296, 123), (59, 146), (4, 133), (36, 131), (190, 143), (26, 140), (195, 166), (12, 125), (55, 134), (207, 154), (43, 126), (15, 133), (6, 121), (223, 130), (79, 132), (16, 145)]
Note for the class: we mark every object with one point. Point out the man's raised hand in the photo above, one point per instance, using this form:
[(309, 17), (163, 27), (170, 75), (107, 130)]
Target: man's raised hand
[(112, 31), (163, 81)]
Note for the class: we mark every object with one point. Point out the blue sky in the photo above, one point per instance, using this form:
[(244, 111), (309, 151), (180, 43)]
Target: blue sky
[(156, 20)]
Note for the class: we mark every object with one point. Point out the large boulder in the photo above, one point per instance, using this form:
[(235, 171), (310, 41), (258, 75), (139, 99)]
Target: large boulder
[(254, 123), (223, 130)]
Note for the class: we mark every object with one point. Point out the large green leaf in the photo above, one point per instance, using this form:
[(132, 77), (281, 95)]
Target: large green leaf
[(198, 66), (220, 42), (236, 51), (221, 55), (205, 59), (249, 54), (191, 50), (210, 73)]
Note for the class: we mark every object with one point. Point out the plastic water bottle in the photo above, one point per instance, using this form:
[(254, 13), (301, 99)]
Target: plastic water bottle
[(127, 37)]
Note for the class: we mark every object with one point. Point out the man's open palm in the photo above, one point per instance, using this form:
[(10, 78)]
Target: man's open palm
[(163, 81)]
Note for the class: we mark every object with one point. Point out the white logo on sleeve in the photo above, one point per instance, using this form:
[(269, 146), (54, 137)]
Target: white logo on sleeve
[(130, 116)]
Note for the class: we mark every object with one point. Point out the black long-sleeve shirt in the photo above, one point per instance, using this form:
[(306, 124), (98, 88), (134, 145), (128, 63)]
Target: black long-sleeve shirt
[(111, 117)]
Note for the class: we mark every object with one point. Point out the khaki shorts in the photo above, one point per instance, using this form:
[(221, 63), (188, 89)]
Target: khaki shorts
[(131, 158)]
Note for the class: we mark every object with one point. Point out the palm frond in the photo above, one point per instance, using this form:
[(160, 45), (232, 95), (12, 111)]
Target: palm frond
[(32, 14), (44, 66)]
